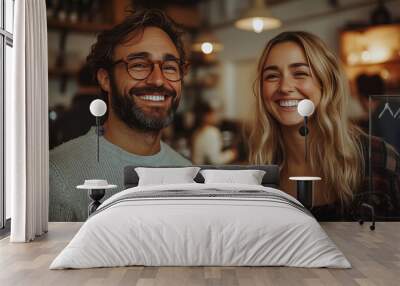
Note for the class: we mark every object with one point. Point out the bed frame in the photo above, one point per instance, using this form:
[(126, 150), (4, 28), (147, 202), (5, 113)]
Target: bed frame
[(270, 179)]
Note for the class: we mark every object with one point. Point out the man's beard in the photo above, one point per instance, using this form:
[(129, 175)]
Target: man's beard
[(126, 109)]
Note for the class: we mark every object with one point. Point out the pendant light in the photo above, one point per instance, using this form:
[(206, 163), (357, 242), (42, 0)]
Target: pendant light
[(206, 42), (257, 18)]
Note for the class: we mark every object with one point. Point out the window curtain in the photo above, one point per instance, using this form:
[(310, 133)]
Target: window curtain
[(27, 149)]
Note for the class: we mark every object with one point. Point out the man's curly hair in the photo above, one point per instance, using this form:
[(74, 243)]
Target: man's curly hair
[(101, 54)]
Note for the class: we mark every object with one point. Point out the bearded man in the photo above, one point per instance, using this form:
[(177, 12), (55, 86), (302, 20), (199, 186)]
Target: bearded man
[(139, 66)]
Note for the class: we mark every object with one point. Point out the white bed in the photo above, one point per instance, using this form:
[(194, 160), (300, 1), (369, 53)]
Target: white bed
[(223, 225)]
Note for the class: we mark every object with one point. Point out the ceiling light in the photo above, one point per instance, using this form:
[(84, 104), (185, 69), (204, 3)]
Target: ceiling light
[(207, 47), (206, 43), (257, 18)]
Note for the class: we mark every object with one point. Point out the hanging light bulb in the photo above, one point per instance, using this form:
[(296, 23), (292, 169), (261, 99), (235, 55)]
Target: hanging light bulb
[(258, 25), (206, 43), (257, 18), (207, 48)]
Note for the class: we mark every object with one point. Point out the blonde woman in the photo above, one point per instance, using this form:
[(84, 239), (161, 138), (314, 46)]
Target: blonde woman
[(296, 66)]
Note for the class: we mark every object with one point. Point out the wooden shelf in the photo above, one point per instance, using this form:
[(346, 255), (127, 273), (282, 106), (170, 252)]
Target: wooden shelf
[(391, 62), (82, 27)]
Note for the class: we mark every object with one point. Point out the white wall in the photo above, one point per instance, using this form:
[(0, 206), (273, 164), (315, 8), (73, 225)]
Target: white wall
[(241, 47), (237, 80)]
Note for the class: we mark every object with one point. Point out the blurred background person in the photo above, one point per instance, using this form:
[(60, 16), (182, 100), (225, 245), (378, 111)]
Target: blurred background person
[(207, 142), (368, 85)]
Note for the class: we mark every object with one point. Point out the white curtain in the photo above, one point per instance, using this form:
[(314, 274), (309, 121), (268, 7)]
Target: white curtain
[(27, 149)]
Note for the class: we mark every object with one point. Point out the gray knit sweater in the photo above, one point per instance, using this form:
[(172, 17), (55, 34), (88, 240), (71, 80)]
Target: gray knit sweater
[(76, 160)]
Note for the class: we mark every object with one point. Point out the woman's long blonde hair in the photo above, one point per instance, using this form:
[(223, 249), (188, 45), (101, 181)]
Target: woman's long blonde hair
[(335, 148)]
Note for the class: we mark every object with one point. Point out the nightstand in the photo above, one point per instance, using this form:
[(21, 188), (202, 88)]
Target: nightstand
[(96, 191), (305, 189)]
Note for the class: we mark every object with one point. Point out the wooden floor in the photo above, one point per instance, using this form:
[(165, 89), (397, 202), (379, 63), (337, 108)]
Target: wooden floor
[(374, 255)]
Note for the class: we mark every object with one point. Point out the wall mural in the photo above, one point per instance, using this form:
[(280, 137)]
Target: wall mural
[(162, 108)]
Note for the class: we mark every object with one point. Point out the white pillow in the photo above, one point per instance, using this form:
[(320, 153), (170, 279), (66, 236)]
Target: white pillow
[(248, 177), (162, 176)]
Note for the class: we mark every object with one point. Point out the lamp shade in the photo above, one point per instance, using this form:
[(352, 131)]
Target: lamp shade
[(305, 107), (98, 107), (257, 18)]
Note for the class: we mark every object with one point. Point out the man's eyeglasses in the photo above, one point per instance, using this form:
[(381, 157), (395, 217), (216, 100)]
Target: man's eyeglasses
[(141, 68)]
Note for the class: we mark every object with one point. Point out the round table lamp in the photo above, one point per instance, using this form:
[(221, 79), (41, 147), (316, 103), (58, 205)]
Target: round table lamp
[(98, 108), (305, 108)]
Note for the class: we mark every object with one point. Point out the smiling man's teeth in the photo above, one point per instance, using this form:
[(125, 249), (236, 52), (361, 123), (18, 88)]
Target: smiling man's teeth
[(153, 97), (289, 103)]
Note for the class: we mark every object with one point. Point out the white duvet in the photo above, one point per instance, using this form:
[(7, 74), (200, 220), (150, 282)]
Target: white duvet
[(185, 231)]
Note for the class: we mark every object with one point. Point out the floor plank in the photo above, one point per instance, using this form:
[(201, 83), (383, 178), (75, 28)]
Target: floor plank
[(374, 255)]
